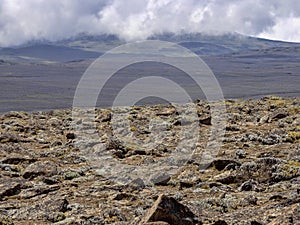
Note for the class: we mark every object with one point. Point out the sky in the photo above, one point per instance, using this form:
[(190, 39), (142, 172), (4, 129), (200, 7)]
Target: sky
[(26, 20)]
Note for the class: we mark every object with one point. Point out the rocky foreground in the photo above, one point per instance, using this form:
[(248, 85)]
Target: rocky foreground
[(254, 179)]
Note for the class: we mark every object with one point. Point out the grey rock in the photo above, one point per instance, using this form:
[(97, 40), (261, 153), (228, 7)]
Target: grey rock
[(161, 179), (137, 184)]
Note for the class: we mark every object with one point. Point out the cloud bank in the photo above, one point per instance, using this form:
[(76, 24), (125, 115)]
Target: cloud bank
[(22, 21)]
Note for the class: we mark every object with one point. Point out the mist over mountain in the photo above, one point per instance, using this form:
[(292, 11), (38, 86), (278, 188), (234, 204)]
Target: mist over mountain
[(86, 47), (23, 21)]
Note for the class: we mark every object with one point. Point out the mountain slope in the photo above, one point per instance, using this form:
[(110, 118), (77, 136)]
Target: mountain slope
[(85, 47), (46, 52)]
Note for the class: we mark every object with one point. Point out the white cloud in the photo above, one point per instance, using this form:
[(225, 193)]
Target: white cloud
[(21, 21), (287, 29)]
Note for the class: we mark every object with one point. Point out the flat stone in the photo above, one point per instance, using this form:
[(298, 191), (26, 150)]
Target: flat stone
[(226, 178), (38, 190), (137, 184), (161, 179), (17, 159), (279, 115), (167, 209)]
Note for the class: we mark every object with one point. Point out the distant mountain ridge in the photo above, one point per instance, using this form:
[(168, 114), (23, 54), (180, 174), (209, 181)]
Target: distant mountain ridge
[(228, 43), (84, 47), (47, 52)]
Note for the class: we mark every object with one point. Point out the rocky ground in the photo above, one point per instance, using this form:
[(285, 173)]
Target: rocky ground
[(46, 176)]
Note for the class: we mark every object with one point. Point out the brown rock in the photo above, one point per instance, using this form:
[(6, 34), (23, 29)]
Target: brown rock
[(70, 136), (220, 222), (105, 117), (167, 209), (17, 159), (38, 190), (36, 169), (122, 196), (205, 121), (157, 223), (226, 178), (9, 189), (220, 164), (280, 114), (5, 138)]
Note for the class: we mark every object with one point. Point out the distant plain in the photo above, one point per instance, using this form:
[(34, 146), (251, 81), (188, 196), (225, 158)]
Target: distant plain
[(44, 76)]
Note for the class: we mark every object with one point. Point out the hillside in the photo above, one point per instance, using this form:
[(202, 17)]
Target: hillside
[(84, 47)]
